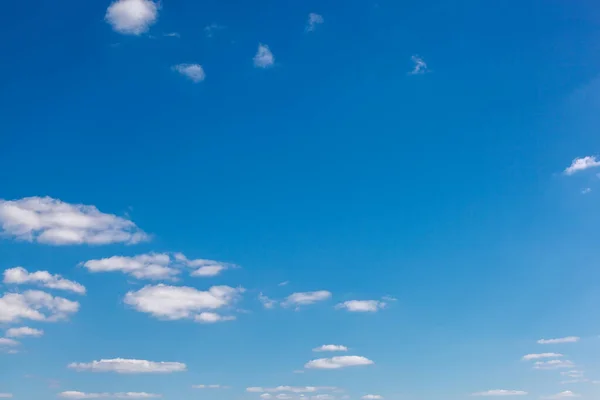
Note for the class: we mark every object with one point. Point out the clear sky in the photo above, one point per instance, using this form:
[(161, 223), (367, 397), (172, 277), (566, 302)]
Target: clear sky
[(197, 196)]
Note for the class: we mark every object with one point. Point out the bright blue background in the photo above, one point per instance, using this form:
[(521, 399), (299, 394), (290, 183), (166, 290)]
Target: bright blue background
[(335, 170)]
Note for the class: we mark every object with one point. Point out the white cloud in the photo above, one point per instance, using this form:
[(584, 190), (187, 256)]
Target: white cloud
[(51, 221), (32, 304), (209, 387), (284, 283), (362, 305), (541, 355), (420, 67), (305, 298), (266, 301), (195, 72), (580, 164), (71, 394), (501, 392), (128, 366), (177, 302), (132, 17), (172, 34), (330, 347), (553, 364), (156, 266), (573, 374), (6, 342), (211, 318), (290, 389), (338, 362), (264, 57), (20, 276), (563, 395), (372, 397), (569, 339), (24, 331), (313, 21), (6, 395)]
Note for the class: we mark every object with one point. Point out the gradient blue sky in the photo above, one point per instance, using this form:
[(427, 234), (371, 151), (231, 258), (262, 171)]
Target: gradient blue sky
[(445, 194)]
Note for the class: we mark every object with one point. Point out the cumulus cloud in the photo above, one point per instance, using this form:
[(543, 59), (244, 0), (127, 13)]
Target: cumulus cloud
[(541, 355), (362, 305), (20, 276), (563, 395), (553, 364), (581, 164), (338, 362), (129, 366), (178, 302), (211, 318), (330, 347), (24, 331), (194, 72), (313, 20), (71, 394), (50, 221), (264, 57), (156, 266), (306, 298), (372, 397), (132, 17), (35, 305), (266, 301), (568, 339), (501, 392), (420, 67)]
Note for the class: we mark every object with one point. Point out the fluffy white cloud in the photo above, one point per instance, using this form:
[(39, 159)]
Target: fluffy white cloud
[(6, 342), (313, 20), (338, 362), (20, 276), (541, 355), (568, 339), (305, 298), (580, 164), (372, 397), (209, 387), (194, 72), (128, 366), (331, 347), (177, 302), (156, 266), (420, 67), (563, 395), (266, 301), (211, 318), (51, 221), (264, 57), (132, 17), (501, 392), (24, 331), (71, 394), (553, 364), (362, 305), (35, 305)]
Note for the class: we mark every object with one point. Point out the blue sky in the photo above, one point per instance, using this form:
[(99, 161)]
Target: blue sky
[(196, 197)]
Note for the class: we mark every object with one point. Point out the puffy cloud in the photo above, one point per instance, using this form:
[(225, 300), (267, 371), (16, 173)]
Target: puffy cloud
[(194, 72), (156, 266), (501, 392), (266, 301), (264, 57), (177, 302), (20, 276), (132, 17), (580, 164), (71, 394), (313, 20), (541, 355), (129, 366), (331, 347), (305, 298), (24, 331), (51, 221), (211, 318), (32, 304), (568, 339), (372, 397), (553, 364), (563, 395), (420, 67), (362, 305), (338, 362)]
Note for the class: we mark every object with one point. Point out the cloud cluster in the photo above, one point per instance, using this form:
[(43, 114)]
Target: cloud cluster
[(71, 394), (338, 362), (20, 276), (35, 305), (129, 366), (132, 17), (51, 221)]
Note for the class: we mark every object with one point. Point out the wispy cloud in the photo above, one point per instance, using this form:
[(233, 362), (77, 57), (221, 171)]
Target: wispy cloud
[(72, 394), (132, 17), (567, 394), (263, 58), (541, 355), (501, 392), (419, 66), (211, 29), (553, 364), (266, 301), (313, 20), (129, 366), (568, 339), (194, 72), (306, 298), (173, 35), (210, 387), (586, 190), (581, 164)]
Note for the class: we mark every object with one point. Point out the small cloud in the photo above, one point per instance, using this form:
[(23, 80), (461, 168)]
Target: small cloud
[(209, 387), (266, 301), (500, 392), (581, 164), (420, 67), (6, 395), (75, 395), (306, 298), (330, 347), (173, 35), (372, 397), (284, 283), (362, 305), (568, 339), (195, 72), (338, 362), (132, 17), (211, 29), (313, 20), (553, 364), (573, 374), (586, 190), (563, 395), (211, 318), (129, 366), (6, 342), (541, 355), (264, 57)]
